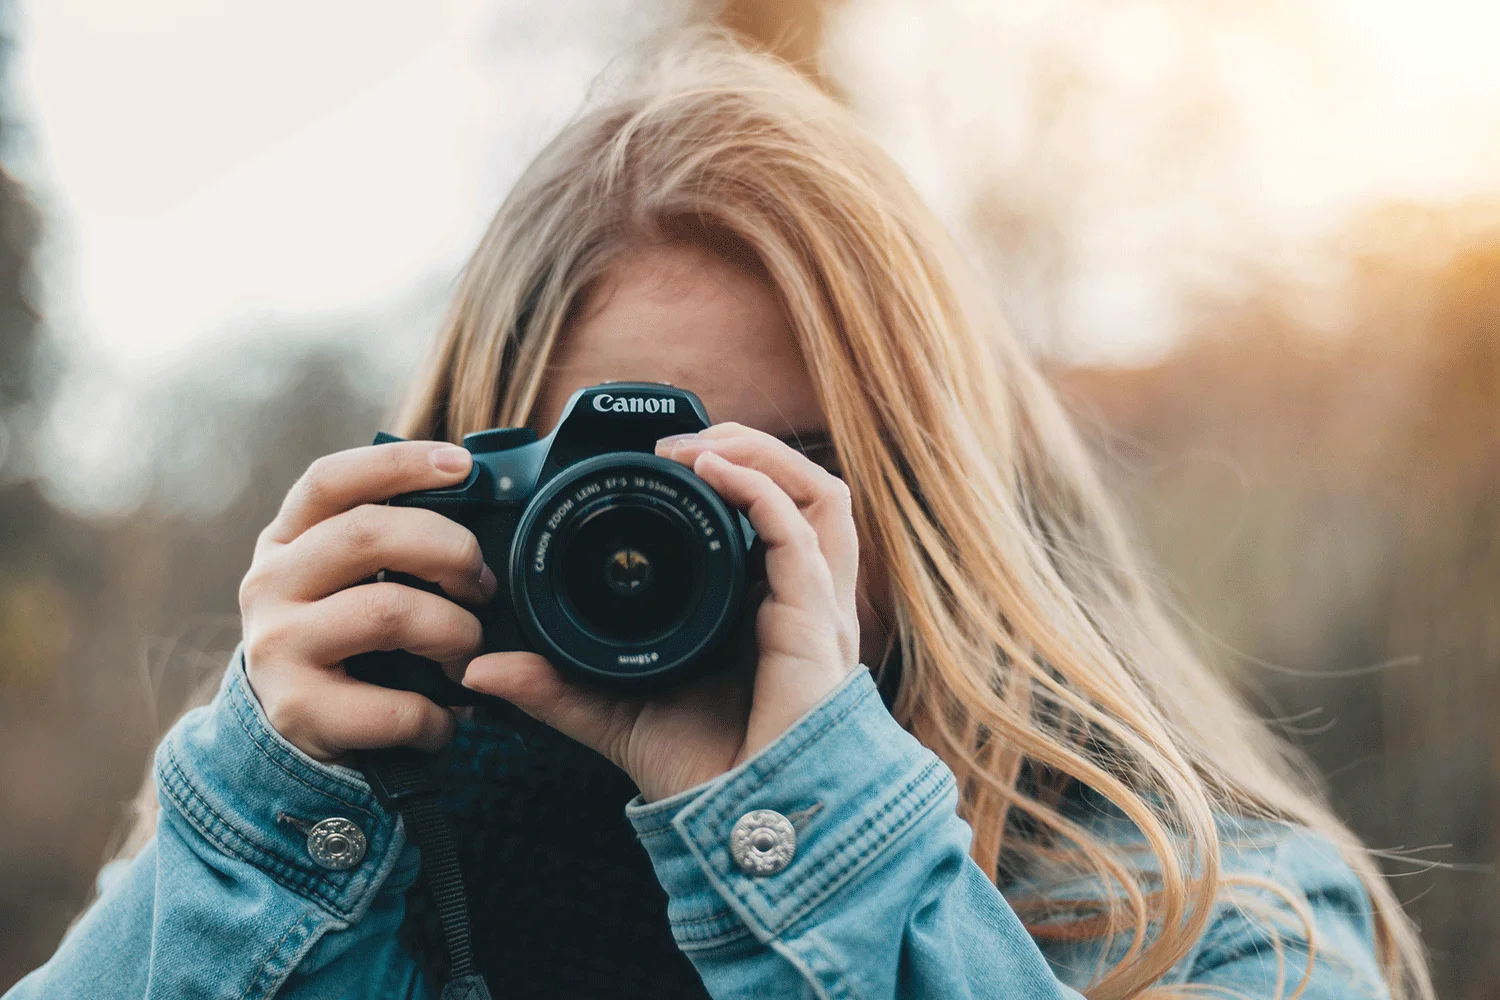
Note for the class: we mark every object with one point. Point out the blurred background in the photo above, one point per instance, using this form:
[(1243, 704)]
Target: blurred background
[(1255, 243)]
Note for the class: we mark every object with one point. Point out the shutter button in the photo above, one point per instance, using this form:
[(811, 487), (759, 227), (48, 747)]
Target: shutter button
[(762, 842), (336, 843)]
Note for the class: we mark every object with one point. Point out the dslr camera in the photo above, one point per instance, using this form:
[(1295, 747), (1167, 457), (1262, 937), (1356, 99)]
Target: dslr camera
[(620, 567)]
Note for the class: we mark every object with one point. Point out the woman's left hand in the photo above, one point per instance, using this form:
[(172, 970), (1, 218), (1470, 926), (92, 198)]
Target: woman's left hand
[(806, 630)]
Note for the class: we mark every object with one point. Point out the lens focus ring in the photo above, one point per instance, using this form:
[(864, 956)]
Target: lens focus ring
[(627, 568)]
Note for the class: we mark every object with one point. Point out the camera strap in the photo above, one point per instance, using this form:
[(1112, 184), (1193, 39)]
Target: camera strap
[(402, 780)]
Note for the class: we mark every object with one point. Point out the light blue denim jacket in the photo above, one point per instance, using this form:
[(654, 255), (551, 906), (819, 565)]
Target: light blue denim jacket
[(879, 900)]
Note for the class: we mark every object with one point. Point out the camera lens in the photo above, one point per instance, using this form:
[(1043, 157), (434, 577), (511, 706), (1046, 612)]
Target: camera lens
[(627, 569)]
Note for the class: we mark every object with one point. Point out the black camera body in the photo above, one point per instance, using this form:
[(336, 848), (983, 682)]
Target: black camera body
[(620, 567)]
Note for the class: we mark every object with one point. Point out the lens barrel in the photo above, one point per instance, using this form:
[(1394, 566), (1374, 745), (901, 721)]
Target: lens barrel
[(627, 568)]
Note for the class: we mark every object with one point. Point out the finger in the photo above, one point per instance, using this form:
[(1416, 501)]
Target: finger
[(334, 713), (378, 616), (355, 545), (823, 498), (802, 479), (795, 567), (346, 479), (533, 685)]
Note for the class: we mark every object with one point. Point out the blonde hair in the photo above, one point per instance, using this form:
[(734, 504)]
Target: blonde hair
[(1032, 654)]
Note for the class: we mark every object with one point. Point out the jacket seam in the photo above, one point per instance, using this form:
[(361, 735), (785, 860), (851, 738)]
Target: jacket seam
[(303, 929), (739, 932), (798, 960), (654, 833), (696, 921), (260, 970)]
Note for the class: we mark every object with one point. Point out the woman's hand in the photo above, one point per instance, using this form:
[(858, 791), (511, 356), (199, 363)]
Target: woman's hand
[(806, 631), (304, 608)]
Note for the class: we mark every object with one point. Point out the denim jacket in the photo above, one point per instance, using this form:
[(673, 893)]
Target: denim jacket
[(871, 894)]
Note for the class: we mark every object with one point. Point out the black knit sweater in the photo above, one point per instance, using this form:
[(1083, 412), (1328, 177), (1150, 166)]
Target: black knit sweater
[(563, 901)]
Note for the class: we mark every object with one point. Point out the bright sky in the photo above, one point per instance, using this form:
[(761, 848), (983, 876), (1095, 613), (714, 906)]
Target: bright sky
[(201, 161), (1147, 148)]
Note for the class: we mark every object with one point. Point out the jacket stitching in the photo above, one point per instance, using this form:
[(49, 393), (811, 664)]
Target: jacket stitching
[(191, 805), (259, 972), (193, 808), (824, 884), (711, 942), (717, 917), (819, 884)]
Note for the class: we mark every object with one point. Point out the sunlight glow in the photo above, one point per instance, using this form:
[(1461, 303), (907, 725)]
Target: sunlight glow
[(201, 161)]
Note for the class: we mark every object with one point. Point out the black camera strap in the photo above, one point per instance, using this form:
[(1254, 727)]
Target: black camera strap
[(403, 782)]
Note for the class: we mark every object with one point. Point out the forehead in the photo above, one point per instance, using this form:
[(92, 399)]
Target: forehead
[(682, 315)]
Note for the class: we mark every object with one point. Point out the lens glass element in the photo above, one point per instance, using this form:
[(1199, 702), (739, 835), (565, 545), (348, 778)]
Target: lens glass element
[(628, 569)]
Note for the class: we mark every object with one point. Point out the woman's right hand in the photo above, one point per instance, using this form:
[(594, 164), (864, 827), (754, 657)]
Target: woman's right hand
[(305, 609)]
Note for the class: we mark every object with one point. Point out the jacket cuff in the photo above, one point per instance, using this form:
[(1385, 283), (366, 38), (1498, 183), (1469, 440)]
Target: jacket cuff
[(852, 782), (252, 795)]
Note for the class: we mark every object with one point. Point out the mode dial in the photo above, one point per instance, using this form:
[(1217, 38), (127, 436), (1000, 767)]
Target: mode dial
[(499, 439)]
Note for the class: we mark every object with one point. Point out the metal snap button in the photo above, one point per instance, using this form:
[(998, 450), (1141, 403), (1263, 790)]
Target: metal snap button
[(763, 842), (336, 843)]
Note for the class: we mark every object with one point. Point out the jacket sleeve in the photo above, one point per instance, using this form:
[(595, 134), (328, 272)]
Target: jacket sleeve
[(872, 893), (230, 898)]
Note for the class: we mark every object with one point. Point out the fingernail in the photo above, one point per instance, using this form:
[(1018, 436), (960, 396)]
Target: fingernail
[(487, 579), (451, 458), (672, 440), (468, 678)]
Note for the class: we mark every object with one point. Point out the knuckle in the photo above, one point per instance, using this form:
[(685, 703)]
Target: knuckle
[(387, 608), (836, 493), (260, 647), (759, 483), (317, 482), (404, 459), (803, 534), (291, 714), (252, 586), (268, 642), (360, 529), (467, 555), (405, 720), (404, 465)]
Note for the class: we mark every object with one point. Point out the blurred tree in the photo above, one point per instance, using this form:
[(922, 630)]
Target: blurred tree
[(31, 614), (160, 619), (1325, 512), (44, 564)]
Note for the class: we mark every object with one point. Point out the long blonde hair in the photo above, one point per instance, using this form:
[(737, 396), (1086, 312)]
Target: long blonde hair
[(1032, 655)]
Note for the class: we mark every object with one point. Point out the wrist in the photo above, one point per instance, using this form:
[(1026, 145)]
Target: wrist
[(801, 686), (849, 783), (230, 782)]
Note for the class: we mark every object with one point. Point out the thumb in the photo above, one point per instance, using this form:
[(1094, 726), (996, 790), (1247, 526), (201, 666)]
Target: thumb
[(526, 680)]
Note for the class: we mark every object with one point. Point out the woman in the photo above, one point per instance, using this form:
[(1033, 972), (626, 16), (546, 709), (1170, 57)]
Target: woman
[(1038, 792)]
